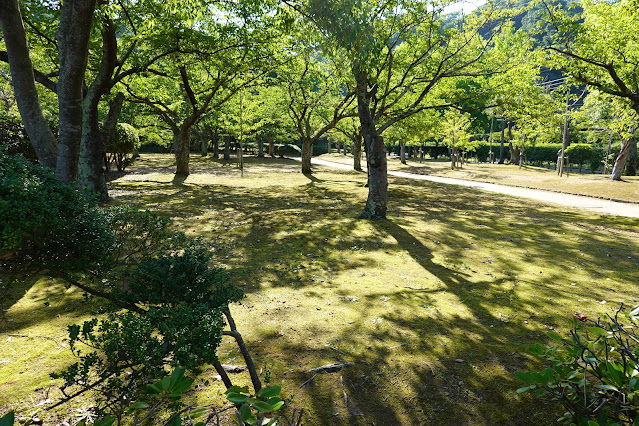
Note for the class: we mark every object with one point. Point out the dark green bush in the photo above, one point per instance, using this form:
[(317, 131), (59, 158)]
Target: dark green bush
[(580, 153), (46, 223), (13, 137)]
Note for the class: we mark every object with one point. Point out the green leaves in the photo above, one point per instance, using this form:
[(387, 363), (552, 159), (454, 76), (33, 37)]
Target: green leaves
[(7, 419), (593, 372), (254, 409)]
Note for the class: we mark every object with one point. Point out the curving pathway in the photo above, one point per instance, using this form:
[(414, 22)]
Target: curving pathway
[(576, 201)]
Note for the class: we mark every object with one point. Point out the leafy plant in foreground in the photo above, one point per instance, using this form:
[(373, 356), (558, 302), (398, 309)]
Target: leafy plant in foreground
[(594, 372)]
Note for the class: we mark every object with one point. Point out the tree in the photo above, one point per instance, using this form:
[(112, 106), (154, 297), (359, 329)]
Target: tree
[(596, 49), (396, 50), (317, 100)]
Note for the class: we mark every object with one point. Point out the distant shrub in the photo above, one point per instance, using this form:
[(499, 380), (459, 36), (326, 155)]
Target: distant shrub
[(580, 153), (124, 142)]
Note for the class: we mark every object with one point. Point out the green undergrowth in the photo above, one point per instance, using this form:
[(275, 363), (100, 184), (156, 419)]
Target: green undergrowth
[(435, 306)]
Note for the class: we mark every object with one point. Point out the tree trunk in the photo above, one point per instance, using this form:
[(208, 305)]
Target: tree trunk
[(76, 17), (501, 147), (402, 152), (23, 80), (260, 147), (631, 162), (182, 147), (307, 153), (271, 146), (620, 162), (216, 145), (375, 153), (92, 148), (204, 147), (357, 152), (227, 147)]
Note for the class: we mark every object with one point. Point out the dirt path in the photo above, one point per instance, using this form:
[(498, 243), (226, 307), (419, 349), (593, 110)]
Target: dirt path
[(575, 201)]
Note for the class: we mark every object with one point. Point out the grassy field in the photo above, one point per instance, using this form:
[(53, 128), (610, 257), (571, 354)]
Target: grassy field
[(594, 185), (435, 306)]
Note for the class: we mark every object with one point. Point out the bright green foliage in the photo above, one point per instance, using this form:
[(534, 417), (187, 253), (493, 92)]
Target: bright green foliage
[(254, 410), (594, 372), (45, 223)]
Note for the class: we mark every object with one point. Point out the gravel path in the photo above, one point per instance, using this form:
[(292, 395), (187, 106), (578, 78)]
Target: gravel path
[(576, 201)]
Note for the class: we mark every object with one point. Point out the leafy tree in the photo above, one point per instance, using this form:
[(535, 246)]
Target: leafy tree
[(398, 52), (595, 48)]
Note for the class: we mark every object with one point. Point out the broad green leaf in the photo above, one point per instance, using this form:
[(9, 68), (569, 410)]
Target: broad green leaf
[(262, 406), (198, 412), (7, 419), (525, 389), (269, 392), (176, 376), (236, 398), (137, 405), (608, 387), (237, 389)]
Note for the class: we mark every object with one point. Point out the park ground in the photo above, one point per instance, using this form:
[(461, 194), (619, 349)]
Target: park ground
[(435, 306)]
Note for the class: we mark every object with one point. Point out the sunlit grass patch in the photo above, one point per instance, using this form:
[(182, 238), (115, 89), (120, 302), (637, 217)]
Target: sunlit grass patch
[(434, 306)]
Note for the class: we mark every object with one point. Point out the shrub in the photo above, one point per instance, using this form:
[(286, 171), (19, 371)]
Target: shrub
[(45, 223), (124, 142), (580, 153), (593, 373), (13, 137)]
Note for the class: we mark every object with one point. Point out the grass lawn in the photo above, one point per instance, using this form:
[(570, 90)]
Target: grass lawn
[(434, 306), (594, 185)]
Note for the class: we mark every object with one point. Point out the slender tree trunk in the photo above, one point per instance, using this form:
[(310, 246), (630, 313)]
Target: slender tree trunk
[(92, 148), (357, 152), (271, 146), (216, 145), (227, 147), (109, 131), (501, 147), (21, 68), (402, 152), (376, 203), (204, 147), (76, 17), (307, 153), (260, 147), (182, 147), (631, 162)]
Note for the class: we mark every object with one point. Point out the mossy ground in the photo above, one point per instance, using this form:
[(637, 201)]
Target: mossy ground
[(434, 306)]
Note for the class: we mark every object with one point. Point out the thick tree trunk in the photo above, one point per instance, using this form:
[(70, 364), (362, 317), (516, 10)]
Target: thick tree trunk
[(76, 17), (402, 152), (307, 153), (21, 68), (227, 147), (357, 152), (182, 147), (375, 153), (93, 149), (260, 147), (620, 162)]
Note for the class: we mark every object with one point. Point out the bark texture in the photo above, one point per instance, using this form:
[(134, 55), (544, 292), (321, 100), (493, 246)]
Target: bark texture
[(182, 147), (76, 17), (307, 153), (357, 152), (93, 146), (22, 76), (375, 153)]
